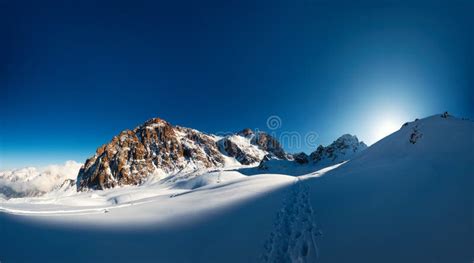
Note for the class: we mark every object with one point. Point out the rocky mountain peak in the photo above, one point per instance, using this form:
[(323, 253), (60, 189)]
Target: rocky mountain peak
[(247, 132), (249, 147), (264, 141), (340, 150), (347, 139), (155, 121), (157, 147), (269, 144)]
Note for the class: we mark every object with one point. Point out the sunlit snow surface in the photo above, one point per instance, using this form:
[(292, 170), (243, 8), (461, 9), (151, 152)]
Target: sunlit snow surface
[(397, 201), (157, 202), (185, 218)]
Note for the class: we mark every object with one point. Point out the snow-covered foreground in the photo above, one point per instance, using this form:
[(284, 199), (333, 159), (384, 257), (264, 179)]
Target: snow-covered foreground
[(228, 220), (156, 203), (408, 198), (402, 202)]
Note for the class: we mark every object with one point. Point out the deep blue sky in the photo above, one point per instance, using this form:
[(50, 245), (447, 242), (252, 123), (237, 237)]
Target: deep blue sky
[(75, 73)]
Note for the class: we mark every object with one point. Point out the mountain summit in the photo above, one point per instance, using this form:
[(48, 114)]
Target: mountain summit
[(344, 148), (159, 148), (412, 189)]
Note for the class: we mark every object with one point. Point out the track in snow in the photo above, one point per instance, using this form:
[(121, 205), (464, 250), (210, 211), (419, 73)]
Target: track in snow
[(294, 234)]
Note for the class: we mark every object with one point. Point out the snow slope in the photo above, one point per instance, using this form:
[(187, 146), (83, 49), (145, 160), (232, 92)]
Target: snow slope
[(397, 201), (216, 216), (227, 221)]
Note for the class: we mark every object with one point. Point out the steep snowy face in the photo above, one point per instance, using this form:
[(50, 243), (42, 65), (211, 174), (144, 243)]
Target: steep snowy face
[(159, 148), (342, 149), (156, 147), (416, 181), (439, 133), (249, 147)]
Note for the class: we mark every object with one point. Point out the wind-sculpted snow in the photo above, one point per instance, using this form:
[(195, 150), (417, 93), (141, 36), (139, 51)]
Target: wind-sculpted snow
[(295, 230)]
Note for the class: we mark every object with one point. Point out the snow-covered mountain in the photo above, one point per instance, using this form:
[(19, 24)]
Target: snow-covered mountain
[(159, 148), (407, 198), (33, 181), (344, 148), (249, 147)]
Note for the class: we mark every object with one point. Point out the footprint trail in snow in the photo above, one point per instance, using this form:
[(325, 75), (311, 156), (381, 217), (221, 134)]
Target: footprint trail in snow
[(294, 234)]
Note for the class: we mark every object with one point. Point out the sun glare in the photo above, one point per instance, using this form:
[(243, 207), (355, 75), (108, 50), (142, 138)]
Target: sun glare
[(385, 128)]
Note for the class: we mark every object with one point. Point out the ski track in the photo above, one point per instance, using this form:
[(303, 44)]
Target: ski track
[(294, 234), (85, 211)]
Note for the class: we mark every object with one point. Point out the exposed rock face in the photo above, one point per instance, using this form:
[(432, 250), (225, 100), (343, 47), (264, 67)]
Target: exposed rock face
[(250, 147), (269, 144), (301, 158), (67, 183), (415, 135), (242, 155), (157, 147), (343, 149), (340, 150)]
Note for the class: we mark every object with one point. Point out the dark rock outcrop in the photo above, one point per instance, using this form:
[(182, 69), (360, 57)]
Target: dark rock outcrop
[(249, 147), (340, 150), (301, 158), (343, 149), (232, 149), (157, 147)]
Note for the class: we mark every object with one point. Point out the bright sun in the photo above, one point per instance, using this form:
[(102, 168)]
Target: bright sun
[(385, 128)]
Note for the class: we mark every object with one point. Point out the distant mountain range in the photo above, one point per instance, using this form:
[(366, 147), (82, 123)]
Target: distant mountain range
[(158, 148), (408, 196)]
